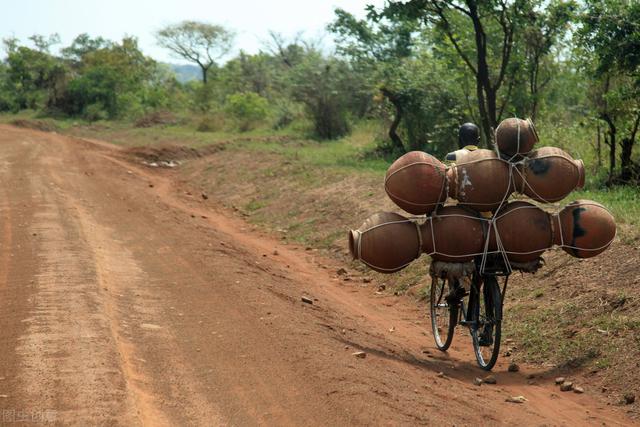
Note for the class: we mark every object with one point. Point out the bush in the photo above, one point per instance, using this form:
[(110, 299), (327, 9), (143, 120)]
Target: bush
[(211, 123), (286, 112), (330, 90), (95, 112), (248, 109)]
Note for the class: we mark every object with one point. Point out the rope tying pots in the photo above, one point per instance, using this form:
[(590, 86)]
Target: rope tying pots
[(584, 228), (516, 136), (416, 182), (480, 180), (453, 234), (523, 230), (387, 242), (548, 174)]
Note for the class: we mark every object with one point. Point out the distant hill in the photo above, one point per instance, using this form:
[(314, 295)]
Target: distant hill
[(186, 72)]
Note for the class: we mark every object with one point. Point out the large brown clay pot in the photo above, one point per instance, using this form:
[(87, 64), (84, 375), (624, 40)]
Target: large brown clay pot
[(416, 182), (524, 230), (584, 228), (457, 234), (516, 136), (549, 174), (480, 180), (387, 242)]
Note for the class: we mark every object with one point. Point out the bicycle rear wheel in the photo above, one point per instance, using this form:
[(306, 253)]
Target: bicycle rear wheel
[(444, 314), (487, 316)]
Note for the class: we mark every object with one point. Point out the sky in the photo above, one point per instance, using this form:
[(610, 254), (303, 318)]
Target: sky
[(113, 19)]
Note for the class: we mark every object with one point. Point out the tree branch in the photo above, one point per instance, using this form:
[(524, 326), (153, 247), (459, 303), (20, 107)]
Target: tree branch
[(447, 28)]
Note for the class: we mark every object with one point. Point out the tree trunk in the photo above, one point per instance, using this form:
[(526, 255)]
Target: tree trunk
[(485, 91), (626, 164), (599, 145), (612, 145), (393, 135), (625, 160), (205, 71)]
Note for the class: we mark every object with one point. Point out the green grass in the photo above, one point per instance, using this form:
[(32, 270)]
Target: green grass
[(347, 153), (622, 201)]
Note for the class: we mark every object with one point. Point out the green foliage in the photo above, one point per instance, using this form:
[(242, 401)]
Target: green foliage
[(112, 81), (34, 78), (422, 95), (247, 108), (331, 91), (610, 40), (197, 42)]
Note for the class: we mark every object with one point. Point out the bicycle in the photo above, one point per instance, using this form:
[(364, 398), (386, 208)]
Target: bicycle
[(479, 307)]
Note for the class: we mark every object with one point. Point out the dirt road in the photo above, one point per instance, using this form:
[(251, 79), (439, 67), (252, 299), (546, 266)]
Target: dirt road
[(126, 301)]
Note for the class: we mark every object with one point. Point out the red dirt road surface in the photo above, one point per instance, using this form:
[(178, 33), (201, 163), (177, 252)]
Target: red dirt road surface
[(124, 301)]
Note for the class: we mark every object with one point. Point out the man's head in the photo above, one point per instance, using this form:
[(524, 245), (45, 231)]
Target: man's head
[(468, 134)]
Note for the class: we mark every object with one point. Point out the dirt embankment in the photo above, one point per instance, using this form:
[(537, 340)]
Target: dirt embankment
[(126, 297), (593, 303)]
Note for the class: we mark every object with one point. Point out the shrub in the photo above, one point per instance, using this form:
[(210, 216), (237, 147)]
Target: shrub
[(247, 108), (95, 112), (330, 90), (211, 123)]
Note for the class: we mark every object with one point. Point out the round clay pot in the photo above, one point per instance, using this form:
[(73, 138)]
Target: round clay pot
[(524, 230), (584, 228), (387, 242), (457, 234), (516, 136), (549, 174), (416, 182), (480, 180)]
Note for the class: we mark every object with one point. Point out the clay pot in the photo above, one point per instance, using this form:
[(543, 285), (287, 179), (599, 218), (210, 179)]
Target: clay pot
[(584, 228), (416, 182), (387, 242), (480, 180), (516, 136), (457, 235), (548, 174), (525, 231)]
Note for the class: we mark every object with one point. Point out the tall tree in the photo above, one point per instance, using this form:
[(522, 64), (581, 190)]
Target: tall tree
[(610, 40), (544, 29), (197, 42), (379, 48), (493, 24)]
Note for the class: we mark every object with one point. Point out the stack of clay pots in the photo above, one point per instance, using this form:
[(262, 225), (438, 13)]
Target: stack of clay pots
[(482, 219)]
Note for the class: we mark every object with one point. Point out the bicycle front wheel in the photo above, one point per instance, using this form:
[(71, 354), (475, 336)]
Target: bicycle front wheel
[(486, 331), (444, 314)]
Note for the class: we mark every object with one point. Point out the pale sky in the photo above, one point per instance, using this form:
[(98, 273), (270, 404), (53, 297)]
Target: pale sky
[(112, 19)]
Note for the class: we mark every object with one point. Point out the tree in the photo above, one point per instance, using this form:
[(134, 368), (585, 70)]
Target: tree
[(378, 49), (610, 39), (82, 45), (392, 54), (197, 42), (493, 27), (35, 77), (483, 34), (111, 81), (321, 85), (544, 29)]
